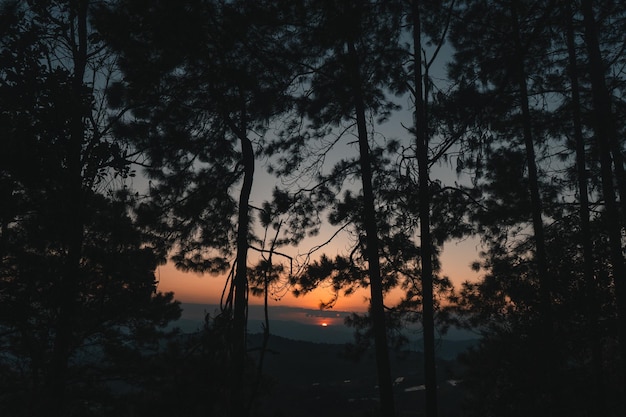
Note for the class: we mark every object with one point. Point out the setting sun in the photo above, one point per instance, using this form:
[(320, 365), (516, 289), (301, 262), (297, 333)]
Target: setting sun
[(324, 324)]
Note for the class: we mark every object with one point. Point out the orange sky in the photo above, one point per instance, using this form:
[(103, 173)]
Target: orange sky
[(194, 288), (206, 289), (456, 257)]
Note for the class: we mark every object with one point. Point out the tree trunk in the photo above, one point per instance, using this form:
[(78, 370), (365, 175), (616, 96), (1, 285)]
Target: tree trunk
[(240, 282), (606, 135), (547, 357), (56, 380), (377, 308), (428, 310), (598, 401)]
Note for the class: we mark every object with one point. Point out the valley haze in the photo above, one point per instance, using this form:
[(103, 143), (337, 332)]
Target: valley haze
[(312, 325)]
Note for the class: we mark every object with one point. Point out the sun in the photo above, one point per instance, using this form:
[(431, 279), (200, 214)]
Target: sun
[(324, 324)]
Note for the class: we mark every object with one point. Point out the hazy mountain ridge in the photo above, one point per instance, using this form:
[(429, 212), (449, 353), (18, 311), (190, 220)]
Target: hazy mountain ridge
[(307, 371), (448, 346)]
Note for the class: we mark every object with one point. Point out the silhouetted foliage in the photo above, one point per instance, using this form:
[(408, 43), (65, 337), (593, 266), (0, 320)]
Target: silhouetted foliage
[(77, 285), (204, 81), (530, 115), (353, 60), (516, 298)]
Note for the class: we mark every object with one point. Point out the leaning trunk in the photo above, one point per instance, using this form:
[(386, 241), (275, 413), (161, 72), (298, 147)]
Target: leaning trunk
[(240, 282)]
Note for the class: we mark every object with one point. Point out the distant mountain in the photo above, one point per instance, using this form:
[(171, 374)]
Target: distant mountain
[(289, 322), (307, 371), (301, 324), (335, 334)]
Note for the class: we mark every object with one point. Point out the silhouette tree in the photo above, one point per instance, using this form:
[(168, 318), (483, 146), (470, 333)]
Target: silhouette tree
[(593, 309), (204, 84), (381, 70), (351, 61), (501, 74), (72, 257), (611, 164), (419, 81), (558, 98)]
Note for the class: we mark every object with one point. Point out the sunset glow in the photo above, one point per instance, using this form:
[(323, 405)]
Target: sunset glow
[(207, 289)]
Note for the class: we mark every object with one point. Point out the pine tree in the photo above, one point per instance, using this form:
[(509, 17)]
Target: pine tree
[(498, 50), (67, 238), (204, 83), (351, 61)]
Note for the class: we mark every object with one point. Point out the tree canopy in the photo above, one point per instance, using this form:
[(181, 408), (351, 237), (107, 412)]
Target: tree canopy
[(134, 133)]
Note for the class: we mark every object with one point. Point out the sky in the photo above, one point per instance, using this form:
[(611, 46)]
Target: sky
[(456, 258)]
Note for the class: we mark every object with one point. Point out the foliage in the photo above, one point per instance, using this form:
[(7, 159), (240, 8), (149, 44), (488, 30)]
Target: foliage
[(199, 92), (65, 318), (507, 304), (194, 92)]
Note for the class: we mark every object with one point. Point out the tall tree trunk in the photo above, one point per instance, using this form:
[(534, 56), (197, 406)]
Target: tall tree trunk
[(377, 308), (547, 357), (602, 100), (606, 135), (240, 280), (428, 309), (56, 381), (598, 401)]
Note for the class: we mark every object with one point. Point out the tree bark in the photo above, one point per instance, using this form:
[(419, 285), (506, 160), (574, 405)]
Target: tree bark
[(547, 357), (377, 308), (428, 309), (56, 380), (240, 282), (598, 400), (611, 166)]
